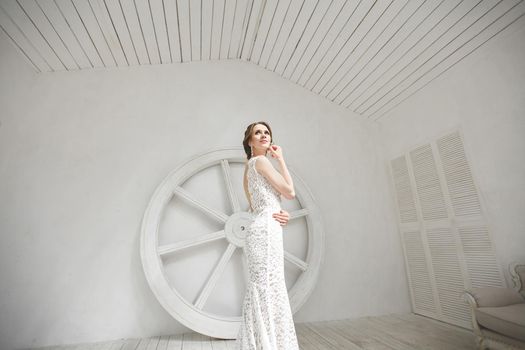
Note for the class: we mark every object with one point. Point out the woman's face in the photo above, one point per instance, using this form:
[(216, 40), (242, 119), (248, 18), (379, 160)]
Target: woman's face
[(260, 137)]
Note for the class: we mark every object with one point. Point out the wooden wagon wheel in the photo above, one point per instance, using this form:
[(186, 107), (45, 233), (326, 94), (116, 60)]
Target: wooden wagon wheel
[(191, 312)]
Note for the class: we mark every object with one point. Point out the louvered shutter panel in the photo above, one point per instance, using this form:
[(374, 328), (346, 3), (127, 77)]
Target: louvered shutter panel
[(449, 277), (480, 258), (445, 237), (463, 194), (418, 274), (405, 196), (428, 186)]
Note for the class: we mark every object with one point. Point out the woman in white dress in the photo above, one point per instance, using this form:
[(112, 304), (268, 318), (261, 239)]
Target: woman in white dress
[(267, 322)]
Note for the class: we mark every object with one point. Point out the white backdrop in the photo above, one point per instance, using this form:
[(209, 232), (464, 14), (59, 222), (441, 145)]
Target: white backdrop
[(82, 152)]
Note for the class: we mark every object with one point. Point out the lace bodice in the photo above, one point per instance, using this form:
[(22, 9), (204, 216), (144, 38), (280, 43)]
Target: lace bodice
[(263, 195)]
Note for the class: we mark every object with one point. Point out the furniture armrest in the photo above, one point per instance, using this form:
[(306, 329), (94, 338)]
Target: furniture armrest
[(495, 296)]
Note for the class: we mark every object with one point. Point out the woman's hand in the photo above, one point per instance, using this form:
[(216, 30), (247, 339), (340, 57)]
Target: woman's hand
[(275, 151), (283, 216)]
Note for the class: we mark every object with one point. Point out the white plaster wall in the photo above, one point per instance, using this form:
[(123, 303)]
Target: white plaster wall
[(484, 95), (82, 152)]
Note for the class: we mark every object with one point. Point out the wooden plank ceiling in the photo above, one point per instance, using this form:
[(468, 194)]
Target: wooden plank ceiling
[(365, 55)]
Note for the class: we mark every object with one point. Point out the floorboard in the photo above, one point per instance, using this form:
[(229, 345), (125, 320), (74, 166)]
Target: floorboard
[(387, 332)]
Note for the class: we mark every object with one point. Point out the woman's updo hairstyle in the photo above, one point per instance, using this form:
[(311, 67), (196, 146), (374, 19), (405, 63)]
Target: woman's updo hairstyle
[(248, 135)]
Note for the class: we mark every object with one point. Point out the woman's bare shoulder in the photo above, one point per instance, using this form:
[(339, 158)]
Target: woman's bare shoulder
[(263, 163)]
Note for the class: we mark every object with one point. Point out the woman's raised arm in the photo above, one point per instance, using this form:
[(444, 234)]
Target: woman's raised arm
[(282, 181)]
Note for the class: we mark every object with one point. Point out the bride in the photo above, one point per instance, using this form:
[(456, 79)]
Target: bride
[(267, 322)]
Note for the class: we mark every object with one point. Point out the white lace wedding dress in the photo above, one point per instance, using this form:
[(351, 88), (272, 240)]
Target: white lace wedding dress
[(267, 322)]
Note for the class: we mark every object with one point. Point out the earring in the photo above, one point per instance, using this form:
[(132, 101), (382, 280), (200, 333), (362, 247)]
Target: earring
[(251, 150)]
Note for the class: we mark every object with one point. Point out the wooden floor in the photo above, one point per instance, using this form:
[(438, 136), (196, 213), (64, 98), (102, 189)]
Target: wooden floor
[(400, 332)]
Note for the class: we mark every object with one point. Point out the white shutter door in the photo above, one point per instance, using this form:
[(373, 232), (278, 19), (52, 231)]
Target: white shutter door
[(480, 260), (416, 259), (445, 237)]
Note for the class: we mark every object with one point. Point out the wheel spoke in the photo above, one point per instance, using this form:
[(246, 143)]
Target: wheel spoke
[(298, 213), (182, 193), (217, 272), (303, 265), (229, 186), (191, 242)]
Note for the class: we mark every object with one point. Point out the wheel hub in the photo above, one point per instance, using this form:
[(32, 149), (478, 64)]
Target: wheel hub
[(236, 228)]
